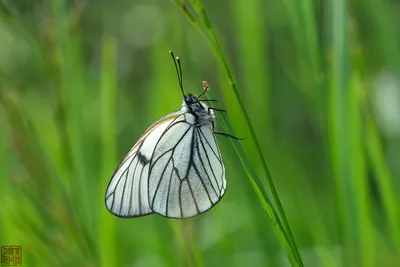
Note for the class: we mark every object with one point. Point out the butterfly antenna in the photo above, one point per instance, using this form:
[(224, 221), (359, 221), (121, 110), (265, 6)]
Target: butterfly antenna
[(178, 70)]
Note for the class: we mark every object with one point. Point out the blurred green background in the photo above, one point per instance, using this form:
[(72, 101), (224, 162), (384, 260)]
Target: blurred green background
[(81, 80)]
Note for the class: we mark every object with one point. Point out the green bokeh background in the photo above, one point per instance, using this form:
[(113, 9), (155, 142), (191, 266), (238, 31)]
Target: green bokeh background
[(81, 80)]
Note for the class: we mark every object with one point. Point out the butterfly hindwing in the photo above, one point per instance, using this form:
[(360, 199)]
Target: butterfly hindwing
[(187, 175)]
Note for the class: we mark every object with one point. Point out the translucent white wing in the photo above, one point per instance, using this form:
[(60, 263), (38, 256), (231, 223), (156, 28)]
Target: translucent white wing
[(187, 174), (127, 192)]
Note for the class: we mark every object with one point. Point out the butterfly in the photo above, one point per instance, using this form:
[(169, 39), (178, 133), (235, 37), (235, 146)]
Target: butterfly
[(175, 169)]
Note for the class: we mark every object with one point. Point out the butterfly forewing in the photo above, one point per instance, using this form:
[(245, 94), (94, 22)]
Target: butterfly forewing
[(187, 175), (127, 192)]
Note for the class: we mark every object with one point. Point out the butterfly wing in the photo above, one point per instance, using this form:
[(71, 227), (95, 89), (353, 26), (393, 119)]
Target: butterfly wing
[(187, 174), (127, 192)]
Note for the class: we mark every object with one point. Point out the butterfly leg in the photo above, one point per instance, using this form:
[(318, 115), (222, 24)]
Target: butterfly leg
[(217, 109), (208, 100), (230, 136)]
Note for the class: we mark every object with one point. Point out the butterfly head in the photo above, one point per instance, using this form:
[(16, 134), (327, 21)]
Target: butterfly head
[(191, 99)]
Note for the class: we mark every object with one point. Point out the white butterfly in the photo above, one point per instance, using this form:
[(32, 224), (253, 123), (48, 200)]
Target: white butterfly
[(175, 169)]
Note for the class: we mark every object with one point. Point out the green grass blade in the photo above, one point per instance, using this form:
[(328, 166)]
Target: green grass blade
[(346, 148), (7, 230), (258, 188), (221, 57), (384, 27), (223, 60), (72, 91), (384, 180), (107, 231), (253, 45)]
